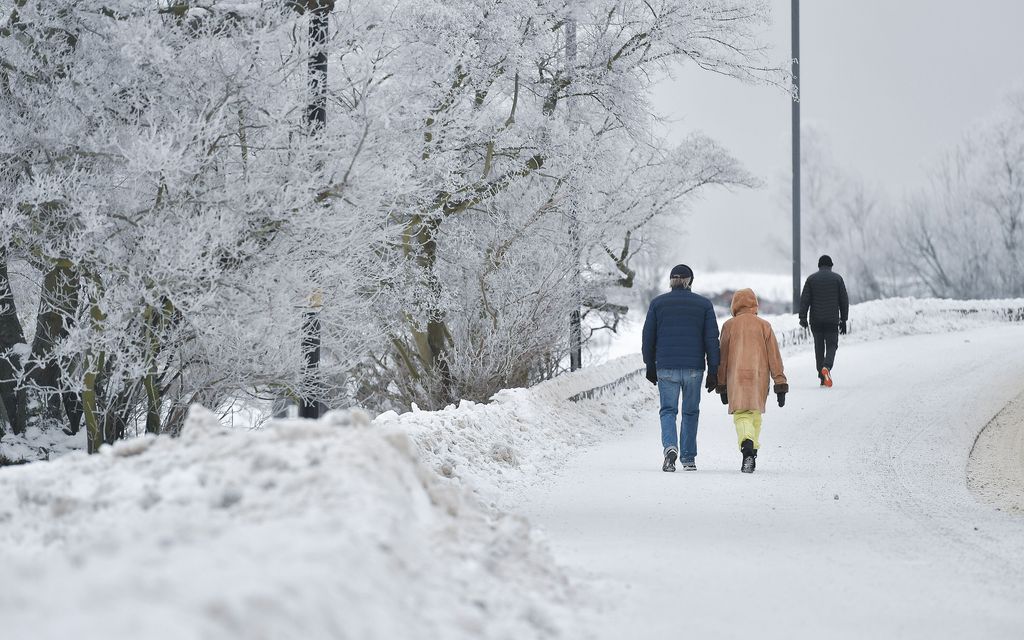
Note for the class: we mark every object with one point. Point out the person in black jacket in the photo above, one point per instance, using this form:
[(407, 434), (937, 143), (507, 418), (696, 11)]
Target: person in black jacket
[(680, 335), (824, 297)]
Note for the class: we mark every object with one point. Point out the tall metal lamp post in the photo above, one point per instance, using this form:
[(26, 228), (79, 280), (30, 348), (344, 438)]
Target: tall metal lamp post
[(316, 121), (576, 316), (796, 153)]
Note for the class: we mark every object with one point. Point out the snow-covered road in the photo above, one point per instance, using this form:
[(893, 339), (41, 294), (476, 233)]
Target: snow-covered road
[(858, 522)]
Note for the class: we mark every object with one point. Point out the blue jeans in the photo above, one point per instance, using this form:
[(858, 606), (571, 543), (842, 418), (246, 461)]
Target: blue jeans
[(670, 383)]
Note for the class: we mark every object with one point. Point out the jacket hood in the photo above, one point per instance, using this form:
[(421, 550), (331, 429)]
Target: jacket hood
[(744, 301)]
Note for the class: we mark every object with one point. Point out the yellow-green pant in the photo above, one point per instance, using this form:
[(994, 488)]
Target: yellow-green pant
[(748, 426)]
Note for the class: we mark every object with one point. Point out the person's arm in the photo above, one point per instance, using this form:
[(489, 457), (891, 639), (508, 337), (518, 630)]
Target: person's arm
[(775, 368), (844, 301), (711, 343), (805, 302), (723, 367), (650, 336)]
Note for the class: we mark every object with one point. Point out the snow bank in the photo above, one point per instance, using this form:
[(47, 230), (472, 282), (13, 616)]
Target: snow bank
[(326, 529), (524, 435), (995, 470), (777, 287), (338, 528), (874, 320), (891, 317)]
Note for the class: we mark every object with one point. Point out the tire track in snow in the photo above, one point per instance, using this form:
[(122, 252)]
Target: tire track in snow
[(995, 470)]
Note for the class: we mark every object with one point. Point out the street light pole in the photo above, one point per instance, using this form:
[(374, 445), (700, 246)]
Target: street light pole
[(796, 153), (316, 122), (575, 316)]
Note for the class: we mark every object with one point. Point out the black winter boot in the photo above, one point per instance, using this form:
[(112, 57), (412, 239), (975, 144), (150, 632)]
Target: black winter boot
[(670, 460), (747, 447)]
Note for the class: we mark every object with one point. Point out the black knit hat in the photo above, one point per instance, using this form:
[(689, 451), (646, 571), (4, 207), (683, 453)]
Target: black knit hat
[(681, 271), (825, 261)]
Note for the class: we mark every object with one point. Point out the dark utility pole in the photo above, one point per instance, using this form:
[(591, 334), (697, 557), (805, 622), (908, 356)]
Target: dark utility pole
[(316, 110), (796, 155), (575, 317), (316, 120)]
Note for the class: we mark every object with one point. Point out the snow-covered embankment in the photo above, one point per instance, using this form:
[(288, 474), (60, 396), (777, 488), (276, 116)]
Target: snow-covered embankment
[(339, 528)]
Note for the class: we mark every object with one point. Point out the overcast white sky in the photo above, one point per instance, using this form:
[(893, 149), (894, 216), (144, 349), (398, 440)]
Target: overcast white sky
[(891, 83)]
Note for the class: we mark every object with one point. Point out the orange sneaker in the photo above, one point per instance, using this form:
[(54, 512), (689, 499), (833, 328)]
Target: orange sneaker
[(826, 377)]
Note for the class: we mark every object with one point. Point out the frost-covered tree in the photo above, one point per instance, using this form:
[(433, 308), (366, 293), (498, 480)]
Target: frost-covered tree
[(844, 217), (486, 167), (158, 177), (963, 236), (527, 112), (960, 236)]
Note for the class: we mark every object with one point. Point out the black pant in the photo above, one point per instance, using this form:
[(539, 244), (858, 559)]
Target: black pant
[(826, 342)]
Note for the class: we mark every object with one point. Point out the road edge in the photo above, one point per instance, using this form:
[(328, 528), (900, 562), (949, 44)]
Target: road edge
[(995, 465)]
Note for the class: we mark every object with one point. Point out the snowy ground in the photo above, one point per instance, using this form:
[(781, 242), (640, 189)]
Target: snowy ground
[(332, 529), (857, 522), (996, 468)]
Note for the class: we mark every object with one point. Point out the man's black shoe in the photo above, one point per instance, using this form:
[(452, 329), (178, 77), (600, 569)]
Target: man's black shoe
[(670, 460)]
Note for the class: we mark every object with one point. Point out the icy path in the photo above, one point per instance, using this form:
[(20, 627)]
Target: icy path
[(858, 522)]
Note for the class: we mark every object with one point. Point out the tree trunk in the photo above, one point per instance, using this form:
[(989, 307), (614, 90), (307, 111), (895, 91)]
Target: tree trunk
[(57, 303), (150, 384), (430, 342), (72, 409), (117, 413), (93, 365), (94, 430), (11, 334)]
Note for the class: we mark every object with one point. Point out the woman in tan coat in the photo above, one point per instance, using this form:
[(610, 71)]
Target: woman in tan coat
[(750, 361)]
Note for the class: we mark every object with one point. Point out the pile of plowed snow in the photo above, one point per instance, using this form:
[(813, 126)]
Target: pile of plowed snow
[(337, 528), (302, 530)]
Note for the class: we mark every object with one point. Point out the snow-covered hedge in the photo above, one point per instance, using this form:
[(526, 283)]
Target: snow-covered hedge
[(907, 316)]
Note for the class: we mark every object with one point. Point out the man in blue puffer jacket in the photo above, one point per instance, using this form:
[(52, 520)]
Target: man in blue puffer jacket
[(680, 333)]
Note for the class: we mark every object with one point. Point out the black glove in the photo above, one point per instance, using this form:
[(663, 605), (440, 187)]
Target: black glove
[(780, 391), (711, 382), (842, 327), (652, 375), (803, 322), (722, 391)]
